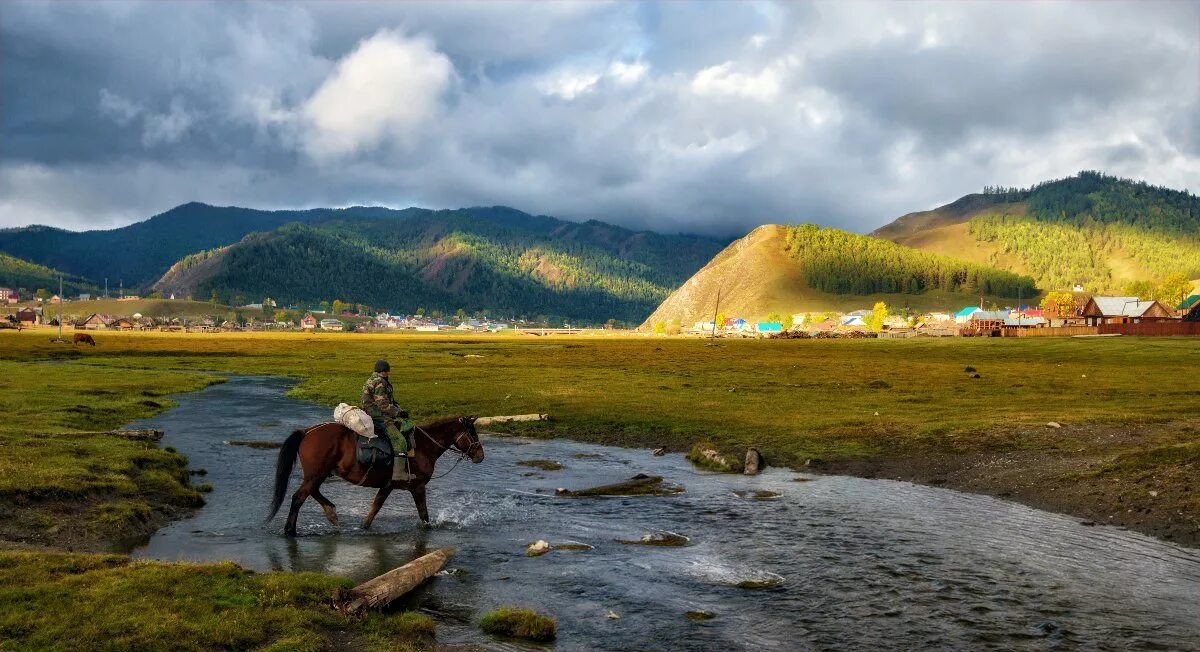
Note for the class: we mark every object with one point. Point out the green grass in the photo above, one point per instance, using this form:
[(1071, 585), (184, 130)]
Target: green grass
[(108, 602), (519, 623)]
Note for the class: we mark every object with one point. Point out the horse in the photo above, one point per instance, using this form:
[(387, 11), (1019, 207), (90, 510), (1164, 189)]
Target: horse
[(84, 338), (332, 448)]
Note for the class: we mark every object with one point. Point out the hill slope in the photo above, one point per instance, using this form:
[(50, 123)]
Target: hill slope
[(786, 270), (1096, 230), (16, 273), (495, 258)]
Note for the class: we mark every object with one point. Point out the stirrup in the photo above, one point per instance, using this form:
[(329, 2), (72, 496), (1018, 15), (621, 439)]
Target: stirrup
[(400, 470)]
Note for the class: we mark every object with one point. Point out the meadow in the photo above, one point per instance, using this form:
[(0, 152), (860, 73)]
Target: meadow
[(1127, 407)]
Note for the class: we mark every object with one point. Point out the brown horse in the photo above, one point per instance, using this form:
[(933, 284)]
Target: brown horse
[(331, 448)]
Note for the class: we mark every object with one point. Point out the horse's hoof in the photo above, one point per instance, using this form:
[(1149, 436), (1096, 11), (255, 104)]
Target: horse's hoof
[(289, 532), (331, 514)]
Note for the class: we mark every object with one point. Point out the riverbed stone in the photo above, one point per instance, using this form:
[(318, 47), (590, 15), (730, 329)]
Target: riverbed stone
[(537, 548), (699, 615), (639, 485), (754, 462), (664, 539)]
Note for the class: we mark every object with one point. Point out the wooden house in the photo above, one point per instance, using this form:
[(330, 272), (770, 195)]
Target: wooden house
[(1123, 310), (308, 322), (93, 322), (28, 317)]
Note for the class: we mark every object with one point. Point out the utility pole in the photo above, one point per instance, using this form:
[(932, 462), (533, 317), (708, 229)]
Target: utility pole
[(60, 301), (105, 287)]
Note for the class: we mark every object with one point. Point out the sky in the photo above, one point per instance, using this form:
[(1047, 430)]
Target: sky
[(708, 117)]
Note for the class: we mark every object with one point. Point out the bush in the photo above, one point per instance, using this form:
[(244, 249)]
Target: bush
[(519, 623)]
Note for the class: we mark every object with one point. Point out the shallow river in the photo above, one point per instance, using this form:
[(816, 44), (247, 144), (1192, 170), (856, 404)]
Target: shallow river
[(865, 563)]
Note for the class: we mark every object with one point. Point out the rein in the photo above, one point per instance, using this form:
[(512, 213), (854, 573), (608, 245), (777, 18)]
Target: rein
[(462, 455)]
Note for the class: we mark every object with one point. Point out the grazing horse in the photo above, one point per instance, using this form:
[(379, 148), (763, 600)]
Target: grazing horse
[(332, 448), (84, 338)]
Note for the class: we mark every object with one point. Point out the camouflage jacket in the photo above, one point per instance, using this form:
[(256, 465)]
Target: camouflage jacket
[(377, 398)]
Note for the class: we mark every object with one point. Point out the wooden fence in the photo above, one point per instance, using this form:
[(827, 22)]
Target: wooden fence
[(1146, 329)]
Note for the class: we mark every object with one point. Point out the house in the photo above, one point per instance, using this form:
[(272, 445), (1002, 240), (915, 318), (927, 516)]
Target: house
[(704, 326), (122, 323), (1193, 314), (938, 316), (768, 327), (129, 297), (963, 316), (987, 322), (28, 317), (853, 321), (1187, 304), (895, 321), (498, 326), (735, 324), (1017, 320), (94, 322), (331, 325), (13, 297), (5, 293), (308, 322), (1123, 310), (84, 296)]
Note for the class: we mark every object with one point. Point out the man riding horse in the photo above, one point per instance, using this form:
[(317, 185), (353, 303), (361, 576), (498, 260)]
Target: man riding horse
[(379, 401)]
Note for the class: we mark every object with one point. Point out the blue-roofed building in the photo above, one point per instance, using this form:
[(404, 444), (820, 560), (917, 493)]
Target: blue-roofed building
[(768, 327), (963, 316)]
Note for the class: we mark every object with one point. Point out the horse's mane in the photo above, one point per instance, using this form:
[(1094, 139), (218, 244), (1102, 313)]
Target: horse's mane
[(439, 422)]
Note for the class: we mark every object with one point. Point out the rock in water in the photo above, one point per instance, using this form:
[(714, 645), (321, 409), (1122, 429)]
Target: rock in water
[(664, 538), (754, 462), (658, 452), (699, 615), (537, 548), (639, 485)]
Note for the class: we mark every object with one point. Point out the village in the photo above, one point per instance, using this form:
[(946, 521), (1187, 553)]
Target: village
[(1058, 314)]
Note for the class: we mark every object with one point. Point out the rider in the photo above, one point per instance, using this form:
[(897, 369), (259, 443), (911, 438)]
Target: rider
[(380, 404)]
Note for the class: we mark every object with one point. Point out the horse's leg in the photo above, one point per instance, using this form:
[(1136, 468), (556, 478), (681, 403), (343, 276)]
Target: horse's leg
[(298, 499), (418, 494), (376, 504), (326, 504)]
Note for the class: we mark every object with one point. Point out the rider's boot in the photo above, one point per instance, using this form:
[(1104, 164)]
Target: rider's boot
[(400, 469)]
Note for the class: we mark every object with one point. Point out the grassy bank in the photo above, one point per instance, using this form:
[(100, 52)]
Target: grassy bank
[(62, 601), (1128, 451)]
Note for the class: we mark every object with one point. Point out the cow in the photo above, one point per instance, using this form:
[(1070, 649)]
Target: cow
[(84, 338)]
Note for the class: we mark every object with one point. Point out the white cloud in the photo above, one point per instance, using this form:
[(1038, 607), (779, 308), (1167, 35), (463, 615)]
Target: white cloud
[(723, 79), (385, 90), (121, 110), (166, 128), (627, 73)]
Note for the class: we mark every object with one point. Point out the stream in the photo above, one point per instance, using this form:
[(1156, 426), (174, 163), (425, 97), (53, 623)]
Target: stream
[(863, 563)]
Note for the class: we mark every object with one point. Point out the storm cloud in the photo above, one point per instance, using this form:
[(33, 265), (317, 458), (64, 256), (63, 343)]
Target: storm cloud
[(696, 117)]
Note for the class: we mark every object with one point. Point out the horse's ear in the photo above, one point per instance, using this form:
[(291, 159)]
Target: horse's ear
[(471, 419)]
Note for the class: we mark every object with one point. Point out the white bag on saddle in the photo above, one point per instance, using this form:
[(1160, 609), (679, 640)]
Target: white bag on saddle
[(354, 418)]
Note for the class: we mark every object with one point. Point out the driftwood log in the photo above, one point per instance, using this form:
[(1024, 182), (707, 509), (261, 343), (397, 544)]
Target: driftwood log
[(487, 421), (639, 485), (385, 589)]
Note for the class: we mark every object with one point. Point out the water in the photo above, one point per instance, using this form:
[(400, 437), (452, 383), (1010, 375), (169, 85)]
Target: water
[(865, 563)]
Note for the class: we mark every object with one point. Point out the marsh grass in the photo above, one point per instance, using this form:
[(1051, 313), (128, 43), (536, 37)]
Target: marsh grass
[(516, 622), (60, 601)]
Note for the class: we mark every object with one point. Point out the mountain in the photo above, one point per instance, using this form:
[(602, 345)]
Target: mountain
[(1099, 231), (806, 268), (16, 273), (497, 258), (139, 253)]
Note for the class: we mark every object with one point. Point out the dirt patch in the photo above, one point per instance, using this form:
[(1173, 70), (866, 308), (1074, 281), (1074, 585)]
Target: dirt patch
[(1142, 477)]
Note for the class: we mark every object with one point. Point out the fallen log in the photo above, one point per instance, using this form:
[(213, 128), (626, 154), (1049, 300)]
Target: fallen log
[(383, 590), (487, 421)]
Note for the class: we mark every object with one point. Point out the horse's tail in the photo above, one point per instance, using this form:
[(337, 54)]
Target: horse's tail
[(283, 469)]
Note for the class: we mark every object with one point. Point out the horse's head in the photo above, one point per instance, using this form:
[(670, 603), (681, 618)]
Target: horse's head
[(467, 440)]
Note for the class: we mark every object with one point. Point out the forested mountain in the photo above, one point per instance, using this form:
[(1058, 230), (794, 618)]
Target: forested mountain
[(1092, 229), (484, 258), (792, 269), (21, 274)]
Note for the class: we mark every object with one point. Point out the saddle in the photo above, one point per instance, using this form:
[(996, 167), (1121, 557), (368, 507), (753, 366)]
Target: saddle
[(375, 451)]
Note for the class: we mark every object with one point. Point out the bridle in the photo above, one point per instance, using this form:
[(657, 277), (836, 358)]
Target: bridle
[(456, 446)]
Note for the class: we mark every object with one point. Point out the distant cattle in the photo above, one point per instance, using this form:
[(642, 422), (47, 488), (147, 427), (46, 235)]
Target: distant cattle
[(84, 338)]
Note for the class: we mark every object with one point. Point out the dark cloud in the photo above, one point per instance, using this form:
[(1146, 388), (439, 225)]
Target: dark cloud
[(711, 117)]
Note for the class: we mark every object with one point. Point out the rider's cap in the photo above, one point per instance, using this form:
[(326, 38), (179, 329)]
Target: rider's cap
[(382, 365)]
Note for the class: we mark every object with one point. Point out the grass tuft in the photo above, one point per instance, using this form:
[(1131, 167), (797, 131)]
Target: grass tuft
[(521, 623)]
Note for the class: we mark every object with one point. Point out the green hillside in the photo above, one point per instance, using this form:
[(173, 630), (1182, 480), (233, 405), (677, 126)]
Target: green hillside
[(499, 259), (793, 269), (1099, 231), (16, 273)]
